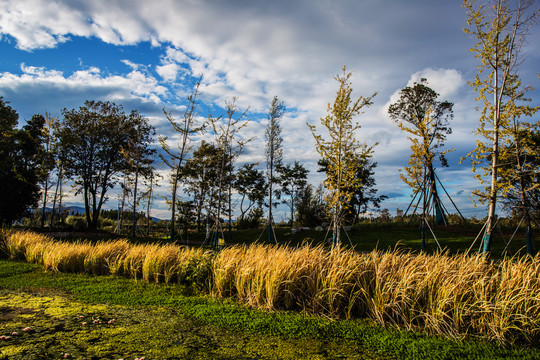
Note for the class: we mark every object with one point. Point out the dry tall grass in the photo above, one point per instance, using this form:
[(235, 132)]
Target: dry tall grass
[(158, 263), (452, 295), (440, 294)]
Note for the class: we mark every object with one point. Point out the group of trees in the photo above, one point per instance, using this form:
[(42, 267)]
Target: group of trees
[(210, 177), (505, 159), (95, 146), (99, 146), (21, 159), (506, 154)]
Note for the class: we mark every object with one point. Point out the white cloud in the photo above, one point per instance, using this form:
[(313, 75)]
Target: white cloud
[(254, 50), (168, 72), (175, 55), (42, 89), (130, 64), (41, 72), (444, 81)]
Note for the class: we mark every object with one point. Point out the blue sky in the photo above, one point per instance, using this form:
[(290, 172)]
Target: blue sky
[(146, 55)]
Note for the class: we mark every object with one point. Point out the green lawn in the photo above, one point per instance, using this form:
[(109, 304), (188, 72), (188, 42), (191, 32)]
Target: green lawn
[(95, 317), (366, 237)]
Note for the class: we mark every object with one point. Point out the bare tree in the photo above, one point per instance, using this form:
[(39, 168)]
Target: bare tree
[(274, 154), (186, 127)]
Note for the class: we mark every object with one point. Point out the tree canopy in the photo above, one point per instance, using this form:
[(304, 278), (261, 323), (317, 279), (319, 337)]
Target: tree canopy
[(426, 120), (21, 152), (94, 139)]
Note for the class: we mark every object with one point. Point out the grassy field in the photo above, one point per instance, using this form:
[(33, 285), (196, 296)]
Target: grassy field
[(364, 237), (81, 316)]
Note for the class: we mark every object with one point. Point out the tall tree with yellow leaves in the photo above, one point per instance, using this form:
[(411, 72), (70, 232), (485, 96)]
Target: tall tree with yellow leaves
[(501, 28), (341, 150)]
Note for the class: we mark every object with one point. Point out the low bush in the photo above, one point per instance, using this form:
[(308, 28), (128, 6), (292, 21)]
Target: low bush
[(76, 222)]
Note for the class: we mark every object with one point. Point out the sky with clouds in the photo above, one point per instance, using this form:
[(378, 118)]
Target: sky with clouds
[(147, 55)]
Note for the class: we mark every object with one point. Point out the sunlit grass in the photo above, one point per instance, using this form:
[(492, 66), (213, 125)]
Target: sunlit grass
[(457, 296)]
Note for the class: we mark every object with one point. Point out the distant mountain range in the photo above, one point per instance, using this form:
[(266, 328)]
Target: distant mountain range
[(76, 210)]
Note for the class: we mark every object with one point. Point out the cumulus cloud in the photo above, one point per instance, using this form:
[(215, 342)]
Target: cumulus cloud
[(130, 64), (444, 81), (52, 90), (168, 72)]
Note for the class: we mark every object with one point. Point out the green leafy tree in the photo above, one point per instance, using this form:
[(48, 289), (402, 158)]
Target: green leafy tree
[(426, 120), (250, 184), (341, 150), (186, 215), (500, 28), (140, 158), (201, 178), (274, 153), (149, 194), (93, 139), (292, 180), (418, 113), (254, 218), (365, 195), (59, 160), (48, 160), (519, 176), (519, 160), (20, 160), (310, 208)]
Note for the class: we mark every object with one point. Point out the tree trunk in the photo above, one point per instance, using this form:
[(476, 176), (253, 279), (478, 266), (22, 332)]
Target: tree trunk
[(495, 159), (148, 218), (87, 205), (524, 201), (134, 230), (51, 224), (122, 206), (336, 238), (270, 182), (173, 204), (292, 209), (57, 195), (60, 201), (43, 214), (230, 211)]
